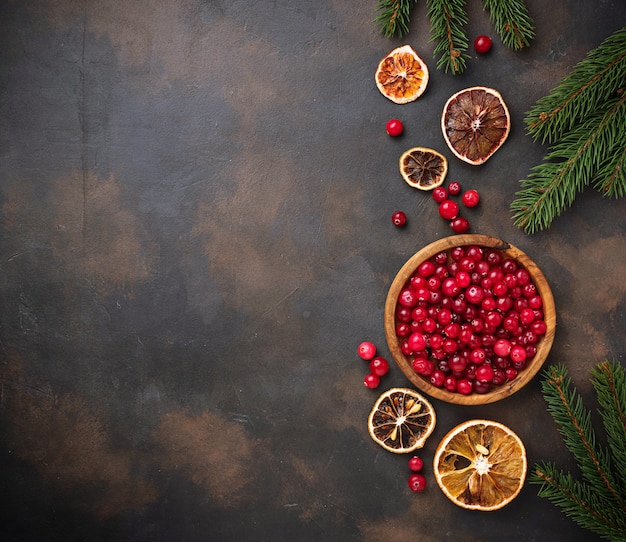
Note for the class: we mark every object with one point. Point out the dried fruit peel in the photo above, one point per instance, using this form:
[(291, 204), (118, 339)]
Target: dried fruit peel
[(423, 168), (480, 465), (402, 76), (401, 420), (475, 123)]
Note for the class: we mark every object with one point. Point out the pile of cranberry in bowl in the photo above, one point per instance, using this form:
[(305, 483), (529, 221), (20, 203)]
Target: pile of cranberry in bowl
[(470, 319)]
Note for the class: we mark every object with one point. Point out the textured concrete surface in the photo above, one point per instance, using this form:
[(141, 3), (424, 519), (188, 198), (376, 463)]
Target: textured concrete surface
[(195, 202)]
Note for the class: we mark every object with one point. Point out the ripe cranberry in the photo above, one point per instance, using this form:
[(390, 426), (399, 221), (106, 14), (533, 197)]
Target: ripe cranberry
[(437, 378), (480, 387), (367, 350), (539, 327), (426, 269), (460, 225), (463, 279), (440, 194), (379, 366), (394, 127), (399, 219), (464, 386), (408, 297), (371, 381), (454, 188), (518, 354), (416, 464), (417, 482), (474, 294), (482, 44), (448, 209), (470, 198), (450, 287), (510, 373), (484, 373), (450, 384), (423, 366), (417, 342), (502, 347)]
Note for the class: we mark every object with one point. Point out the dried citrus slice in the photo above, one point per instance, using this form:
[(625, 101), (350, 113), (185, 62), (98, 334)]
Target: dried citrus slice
[(401, 420), (423, 168), (402, 75), (480, 465), (475, 123)]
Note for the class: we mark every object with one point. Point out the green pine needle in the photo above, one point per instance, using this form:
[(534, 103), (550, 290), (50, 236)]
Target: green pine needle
[(592, 81), (598, 501), (393, 17), (586, 154), (511, 21), (447, 24)]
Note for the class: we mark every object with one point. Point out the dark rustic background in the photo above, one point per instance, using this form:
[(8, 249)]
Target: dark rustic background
[(195, 208)]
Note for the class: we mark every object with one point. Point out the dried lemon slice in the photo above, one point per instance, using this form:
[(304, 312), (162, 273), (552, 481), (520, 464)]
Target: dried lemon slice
[(423, 168), (475, 123), (401, 420), (480, 465), (402, 75)]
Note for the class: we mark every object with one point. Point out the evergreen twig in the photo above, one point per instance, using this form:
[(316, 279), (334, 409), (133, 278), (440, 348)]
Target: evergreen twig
[(597, 502), (512, 22), (393, 17), (586, 154), (592, 82), (447, 25)]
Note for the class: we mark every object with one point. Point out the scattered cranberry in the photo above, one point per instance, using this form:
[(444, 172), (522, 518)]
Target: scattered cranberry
[(394, 127), (454, 188), (416, 464), (470, 198), (460, 225), (448, 209), (367, 350), (398, 218), (371, 381), (440, 194), (482, 44), (417, 482), (379, 366)]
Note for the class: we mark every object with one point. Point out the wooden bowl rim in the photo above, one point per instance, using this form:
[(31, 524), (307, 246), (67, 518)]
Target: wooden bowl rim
[(544, 345)]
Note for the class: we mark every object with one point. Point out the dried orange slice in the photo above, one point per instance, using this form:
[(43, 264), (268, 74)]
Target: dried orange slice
[(423, 168), (401, 420), (402, 75), (475, 123), (480, 465)]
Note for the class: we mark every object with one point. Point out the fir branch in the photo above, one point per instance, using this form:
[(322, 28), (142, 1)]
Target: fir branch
[(574, 421), (591, 82), (597, 502), (576, 501), (511, 21), (611, 176), (609, 382), (393, 17), (580, 157), (447, 29)]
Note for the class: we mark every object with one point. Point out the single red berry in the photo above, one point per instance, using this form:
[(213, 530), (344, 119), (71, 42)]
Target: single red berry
[(416, 464), (454, 188), (448, 209), (367, 350), (460, 225), (470, 198), (417, 482), (379, 366), (440, 194), (482, 44), (398, 218), (371, 381), (394, 127)]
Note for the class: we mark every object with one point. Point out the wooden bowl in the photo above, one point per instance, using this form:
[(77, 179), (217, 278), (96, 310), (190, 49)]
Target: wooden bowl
[(543, 345)]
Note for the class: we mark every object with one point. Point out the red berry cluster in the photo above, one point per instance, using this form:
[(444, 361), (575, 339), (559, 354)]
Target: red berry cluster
[(417, 481), (469, 319), (378, 365), (449, 209)]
